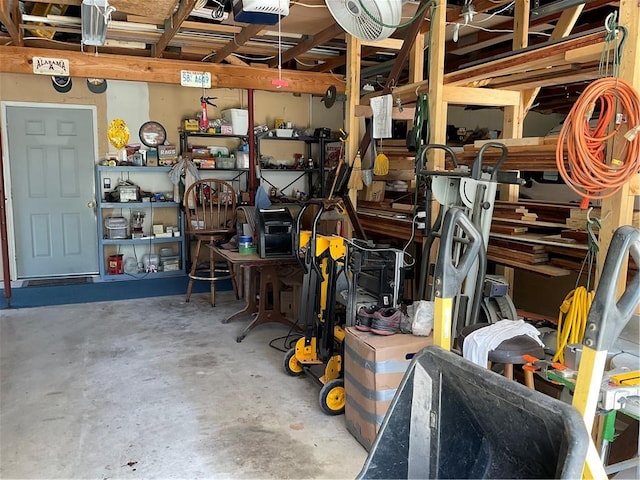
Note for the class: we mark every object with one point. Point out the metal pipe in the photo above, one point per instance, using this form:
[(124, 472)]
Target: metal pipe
[(252, 148)]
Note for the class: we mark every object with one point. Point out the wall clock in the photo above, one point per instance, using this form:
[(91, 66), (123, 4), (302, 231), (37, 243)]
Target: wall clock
[(152, 134)]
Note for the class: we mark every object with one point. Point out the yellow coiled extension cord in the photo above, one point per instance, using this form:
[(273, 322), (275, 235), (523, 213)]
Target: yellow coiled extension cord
[(572, 319)]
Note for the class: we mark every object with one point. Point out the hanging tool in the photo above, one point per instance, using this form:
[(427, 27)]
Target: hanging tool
[(355, 179), (204, 118)]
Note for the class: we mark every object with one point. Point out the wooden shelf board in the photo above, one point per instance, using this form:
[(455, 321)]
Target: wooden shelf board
[(548, 270)]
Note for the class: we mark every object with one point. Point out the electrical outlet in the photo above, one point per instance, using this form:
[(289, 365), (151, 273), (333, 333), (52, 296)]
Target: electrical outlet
[(106, 182)]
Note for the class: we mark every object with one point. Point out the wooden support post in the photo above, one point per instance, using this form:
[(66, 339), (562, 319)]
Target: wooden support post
[(618, 209), (416, 60), (352, 123), (513, 119), (437, 104)]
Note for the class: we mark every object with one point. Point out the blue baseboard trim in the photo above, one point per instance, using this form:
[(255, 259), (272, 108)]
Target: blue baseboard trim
[(40, 296)]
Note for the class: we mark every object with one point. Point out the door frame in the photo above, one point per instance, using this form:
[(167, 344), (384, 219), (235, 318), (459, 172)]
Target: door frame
[(7, 166)]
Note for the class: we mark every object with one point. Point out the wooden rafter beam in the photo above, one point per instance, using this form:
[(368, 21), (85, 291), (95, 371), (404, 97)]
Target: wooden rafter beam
[(312, 41), (342, 60), (161, 70), (243, 37), (11, 20), (172, 25)]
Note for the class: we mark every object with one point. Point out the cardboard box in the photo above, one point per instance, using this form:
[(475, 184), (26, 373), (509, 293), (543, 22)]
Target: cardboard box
[(167, 154), (372, 193), (191, 125), (373, 369)]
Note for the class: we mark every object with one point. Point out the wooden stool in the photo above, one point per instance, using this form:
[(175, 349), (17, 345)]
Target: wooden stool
[(509, 352)]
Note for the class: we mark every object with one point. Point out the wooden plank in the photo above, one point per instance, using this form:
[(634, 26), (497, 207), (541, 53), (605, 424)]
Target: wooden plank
[(552, 80), (588, 54), (533, 57), (159, 70), (512, 142), (437, 103), (507, 229), (516, 245), (335, 62), (243, 37), (406, 113), (156, 9), (171, 26), (542, 239), (521, 24), (480, 96), (314, 40), (547, 270), (416, 60), (409, 93), (517, 255), (387, 43), (11, 20)]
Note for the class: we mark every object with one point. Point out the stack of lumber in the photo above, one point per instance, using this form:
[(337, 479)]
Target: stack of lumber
[(527, 256), (504, 211), (546, 212), (525, 253), (533, 154), (515, 218), (511, 219)]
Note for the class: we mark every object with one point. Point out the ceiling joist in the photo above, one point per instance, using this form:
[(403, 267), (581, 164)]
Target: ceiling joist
[(172, 25)]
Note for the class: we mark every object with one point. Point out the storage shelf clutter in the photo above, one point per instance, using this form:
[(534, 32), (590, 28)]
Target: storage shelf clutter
[(139, 236)]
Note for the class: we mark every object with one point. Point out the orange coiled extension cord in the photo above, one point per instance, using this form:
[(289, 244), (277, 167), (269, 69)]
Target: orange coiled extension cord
[(586, 169)]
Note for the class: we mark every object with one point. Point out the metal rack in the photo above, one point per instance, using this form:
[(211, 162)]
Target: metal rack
[(317, 173), (148, 242)]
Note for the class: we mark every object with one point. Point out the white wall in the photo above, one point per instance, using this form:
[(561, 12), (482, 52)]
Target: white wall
[(535, 124)]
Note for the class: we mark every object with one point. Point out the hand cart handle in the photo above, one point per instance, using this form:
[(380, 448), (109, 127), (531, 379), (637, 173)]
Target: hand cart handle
[(421, 167), (308, 258), (607, 317), (448, 277), (476, 167)]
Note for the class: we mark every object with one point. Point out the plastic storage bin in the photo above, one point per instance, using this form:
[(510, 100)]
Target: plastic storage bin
[(239, 120), (453, 419)]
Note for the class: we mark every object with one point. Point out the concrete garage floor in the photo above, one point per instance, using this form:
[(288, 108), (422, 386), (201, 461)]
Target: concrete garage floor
[(158, 388)]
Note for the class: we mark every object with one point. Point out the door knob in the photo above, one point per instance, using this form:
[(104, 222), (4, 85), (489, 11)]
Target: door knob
[(91, 204)]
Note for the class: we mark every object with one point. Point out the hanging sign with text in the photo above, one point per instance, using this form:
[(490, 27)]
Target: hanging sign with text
[(189, 78), (51, 66)]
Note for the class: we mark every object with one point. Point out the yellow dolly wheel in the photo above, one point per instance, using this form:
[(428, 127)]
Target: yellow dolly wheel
[(291, 365), (332, 397)]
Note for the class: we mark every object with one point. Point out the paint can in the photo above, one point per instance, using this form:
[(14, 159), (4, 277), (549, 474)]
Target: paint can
[(114, 265)]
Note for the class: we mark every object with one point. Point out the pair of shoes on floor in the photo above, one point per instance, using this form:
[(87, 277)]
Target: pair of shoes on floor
[(381, 321)]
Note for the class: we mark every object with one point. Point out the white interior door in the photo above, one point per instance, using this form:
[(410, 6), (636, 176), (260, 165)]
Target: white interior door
[(51, 157)]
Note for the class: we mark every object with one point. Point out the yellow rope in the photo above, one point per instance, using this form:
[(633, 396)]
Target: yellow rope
[(572, 320)]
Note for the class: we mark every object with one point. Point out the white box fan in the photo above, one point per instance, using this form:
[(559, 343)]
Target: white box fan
[(363, 18)]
